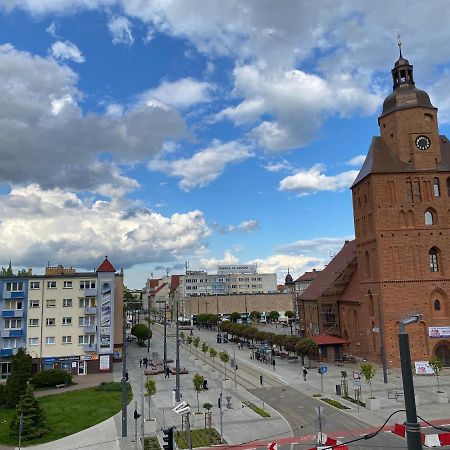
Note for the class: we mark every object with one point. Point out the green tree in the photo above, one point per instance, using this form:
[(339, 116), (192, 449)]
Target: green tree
[(224, 357), (205, 348), (289, 314), (33, 418), (18, 379), (255, 316), (368, 372), (274, 316), (150, 389), (196, 342), (182, 337), (436, 364), (189, 341), (208, 407), (213, 354), (344, 382), (306, 347), (235, 316), (141, 332), (197, 380)]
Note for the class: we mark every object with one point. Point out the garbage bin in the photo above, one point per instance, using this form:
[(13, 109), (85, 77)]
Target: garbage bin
[(338, 389)]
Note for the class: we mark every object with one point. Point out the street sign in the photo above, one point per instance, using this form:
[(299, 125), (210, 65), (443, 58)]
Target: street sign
[(272, 446), (323, 369), (356, 385), (356, 375)]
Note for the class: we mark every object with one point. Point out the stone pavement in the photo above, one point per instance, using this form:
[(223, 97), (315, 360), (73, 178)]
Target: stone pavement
[(425, 386)]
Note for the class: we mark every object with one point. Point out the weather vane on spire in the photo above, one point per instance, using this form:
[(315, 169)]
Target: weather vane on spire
[(399, 43)]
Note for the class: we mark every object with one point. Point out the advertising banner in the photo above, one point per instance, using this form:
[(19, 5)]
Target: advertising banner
[(104, 363), (423, 368), (439, 332)]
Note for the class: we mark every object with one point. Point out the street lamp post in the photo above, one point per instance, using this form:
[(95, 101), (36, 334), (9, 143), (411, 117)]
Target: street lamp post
[(177, 361), (165, 336), (413, 436)]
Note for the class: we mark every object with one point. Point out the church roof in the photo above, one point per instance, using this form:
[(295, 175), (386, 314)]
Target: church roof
[(331, 273), (106, 266), (308, 276), (381, 160)]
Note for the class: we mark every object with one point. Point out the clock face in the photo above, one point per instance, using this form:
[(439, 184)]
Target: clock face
[(422, 143)]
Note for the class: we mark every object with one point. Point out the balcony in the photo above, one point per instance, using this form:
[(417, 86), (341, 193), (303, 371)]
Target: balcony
[(11, 333), (14, 294), (12, 313), (90, 310), (90, 347), (90, 292), (8, 351), (89, 329)]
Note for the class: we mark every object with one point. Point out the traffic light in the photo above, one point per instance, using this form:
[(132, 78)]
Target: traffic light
[(168, 438)]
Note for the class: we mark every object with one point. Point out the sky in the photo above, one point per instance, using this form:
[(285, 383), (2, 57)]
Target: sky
[(160, 132)]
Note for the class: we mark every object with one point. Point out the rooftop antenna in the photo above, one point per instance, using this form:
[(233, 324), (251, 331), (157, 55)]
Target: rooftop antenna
[(399, 43), (186, 264), (167, 271)]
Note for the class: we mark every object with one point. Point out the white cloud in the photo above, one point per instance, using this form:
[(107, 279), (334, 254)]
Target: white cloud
[(120, 28), (182, 93), (322, 247), (66, 50), (39, 97), (312, 180), (247, 226), (357, 160), (53, 223), (51, 29), (114, 110), (150, 35), (278, 166), (210, 264), (204, 166)]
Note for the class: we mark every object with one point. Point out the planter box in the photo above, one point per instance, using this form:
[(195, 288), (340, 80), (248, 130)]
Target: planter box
[(149, 427), (373, 404), (440, 397)]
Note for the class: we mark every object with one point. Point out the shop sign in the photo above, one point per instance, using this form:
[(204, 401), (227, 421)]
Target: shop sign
[(104, 363), (88, 357), (423, 368), (439, 332)]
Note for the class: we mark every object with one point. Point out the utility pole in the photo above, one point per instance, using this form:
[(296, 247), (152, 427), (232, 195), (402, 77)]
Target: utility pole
[(413, 436), (234, 368), (177, 360), (124, 375), (221, 416), (165, 335)]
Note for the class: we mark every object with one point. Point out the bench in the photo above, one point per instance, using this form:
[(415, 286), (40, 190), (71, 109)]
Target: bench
[(395, 395), (62, 385)]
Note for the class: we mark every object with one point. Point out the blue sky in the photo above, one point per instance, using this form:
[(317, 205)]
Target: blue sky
[(160, 132)]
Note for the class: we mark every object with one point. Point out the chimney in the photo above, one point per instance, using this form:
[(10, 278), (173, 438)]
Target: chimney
[(346, 242)]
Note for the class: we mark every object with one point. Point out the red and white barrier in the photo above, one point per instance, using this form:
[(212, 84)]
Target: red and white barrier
[(325, 442), (428, 440)]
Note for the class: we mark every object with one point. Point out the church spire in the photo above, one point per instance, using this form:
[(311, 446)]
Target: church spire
[(402, 73)]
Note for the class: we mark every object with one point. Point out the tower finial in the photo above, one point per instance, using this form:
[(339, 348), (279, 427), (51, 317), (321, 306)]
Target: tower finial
[(399, 43)]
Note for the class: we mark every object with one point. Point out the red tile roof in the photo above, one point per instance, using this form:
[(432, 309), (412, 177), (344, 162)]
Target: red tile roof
[(328, 276), (106, 266), (308, 276), (325, 339), (175, 281)]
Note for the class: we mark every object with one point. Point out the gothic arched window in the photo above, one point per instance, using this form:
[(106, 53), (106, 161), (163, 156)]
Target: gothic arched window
[(433, 255), (436, 187), (437, 305), (429, 218)]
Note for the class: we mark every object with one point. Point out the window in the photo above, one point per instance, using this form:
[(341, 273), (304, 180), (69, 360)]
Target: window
[(50, 340), (67, 339), (448, 187), (34, 322), (434, 259), (12, 343), (51, 284), (15, 286), (86, 302), (417, 196), (436, 188), (429, 218), (87, 284), (33, 341), (13, 324), (437, 305), (67, 321), (409, 190), (13, 304), (34, 303), (86, 339), (67, 302), (67, 285), (51, 322), (50, 303), (35, 284), (86, 321)]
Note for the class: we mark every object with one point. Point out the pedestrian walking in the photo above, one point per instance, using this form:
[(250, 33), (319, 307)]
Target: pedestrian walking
[(251, 354), (305, 372), (145, 362), (140, 363), (167, 372), (273, 363)]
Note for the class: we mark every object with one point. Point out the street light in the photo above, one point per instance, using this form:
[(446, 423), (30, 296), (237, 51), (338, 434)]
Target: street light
[(413, 436)]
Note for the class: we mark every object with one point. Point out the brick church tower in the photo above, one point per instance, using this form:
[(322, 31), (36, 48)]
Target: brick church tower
[(401, 208)]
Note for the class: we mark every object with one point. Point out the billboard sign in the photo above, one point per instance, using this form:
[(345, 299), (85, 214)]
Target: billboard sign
[(439, 332)]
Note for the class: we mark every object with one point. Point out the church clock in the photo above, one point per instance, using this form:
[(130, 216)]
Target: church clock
[(423, 142)]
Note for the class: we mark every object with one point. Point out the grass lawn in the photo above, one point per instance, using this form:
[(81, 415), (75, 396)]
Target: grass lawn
[(257, 409), (151, 443), (70, 412), (203, 437)]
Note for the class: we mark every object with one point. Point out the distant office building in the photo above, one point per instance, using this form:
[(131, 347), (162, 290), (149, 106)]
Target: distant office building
[(232, 279)]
